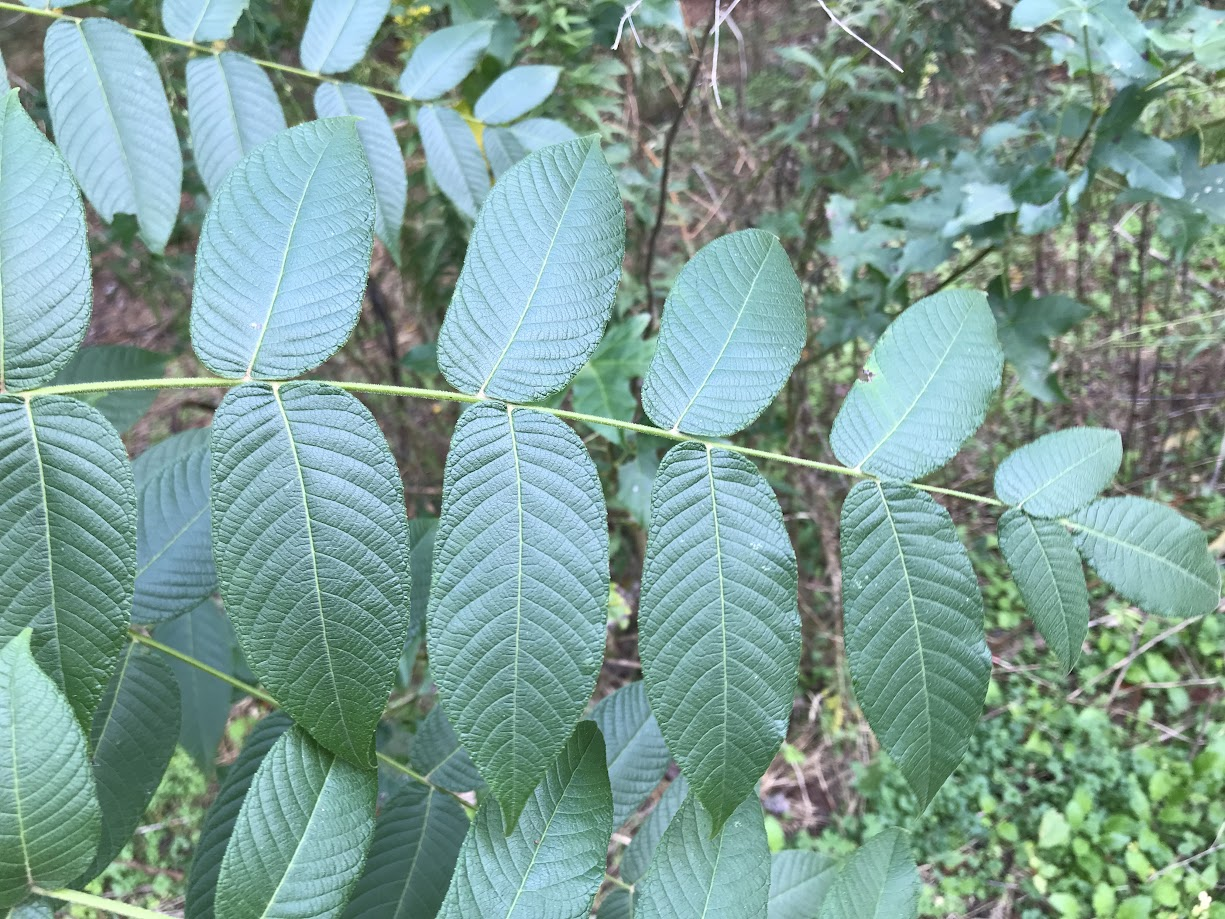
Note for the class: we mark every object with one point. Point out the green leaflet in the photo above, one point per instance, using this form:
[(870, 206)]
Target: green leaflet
[(134, 735), (515, 93), (338, 34), (454, 157), (444, 58), (641, 850), (113, 124), (878, 881), (913, 627), (221, 816), (302, 264), (719, 632), (1150, 554), (637, 755), (551, 864), (617, 904), (421, 532), (523, 319), (298, 844), (1047, 571), (799, 881), (700, 874), (1026, 324), (202, 20), (437, 754), (733, 327), (534, 133), (49, 817), (205, 635), (45, 293), (318, 592), (416, 843), (174, 547), (502, 149), (1146, 162), (602, 387), (925, 388), (1060, 472), (67, 541), (232, 109), (103, 363), (382, 150), (519, 594)]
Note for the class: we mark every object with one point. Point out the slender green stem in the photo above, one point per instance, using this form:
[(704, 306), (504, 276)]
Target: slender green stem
[(258, 693), (81, 898), (443, 395)]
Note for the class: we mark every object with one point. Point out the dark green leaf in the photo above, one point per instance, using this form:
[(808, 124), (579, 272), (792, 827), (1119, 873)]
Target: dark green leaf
[(879, 881), (799, 881), (637, 756), (421, 532), (1026, 325), (1147, 162), (641, 850), (1060, 472), (438, 755), (101, 363), (603, 386)]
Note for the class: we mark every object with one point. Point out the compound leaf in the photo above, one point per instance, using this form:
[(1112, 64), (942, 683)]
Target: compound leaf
[(878, 881), (552, 864), (49, 816), (174, 546), (444, 58), (719, 632), (1150, 554), (539, 278), (44, 258), (103, 363), (913, 625), (925, 388), (438, 755), (515, 93), (67, 541), (221, 816), (281, 265), (733, 327), (416, 843), (637, 755), (300, 839), (799, 881), (134, 734), (641, 850), (1061, 472), (113, 124), (318, 592), (1049, 575), (338, 34), (454, 158), (698, 873), (231, 109), (382, 150), (519, 594), (202, 20)]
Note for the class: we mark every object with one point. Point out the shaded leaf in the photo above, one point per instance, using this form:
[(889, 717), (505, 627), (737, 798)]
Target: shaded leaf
[(637, 755), (799, 881), (878, 881), (103, 363), (1146, 162), (1026, 324), (338, 34), (602, 387), (641, 850), (515, 93), (438, 755), (502, 148), (454, 158), (421, 532), (444, 58), (1060, 472)]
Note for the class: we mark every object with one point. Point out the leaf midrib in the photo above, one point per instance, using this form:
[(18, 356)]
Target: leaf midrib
[(336, 34), (21, 826), (327, 777), (408, 881), (714, 512), (1177, 569), (46, 509), (514, 707), (1093, 454), (110, 114)]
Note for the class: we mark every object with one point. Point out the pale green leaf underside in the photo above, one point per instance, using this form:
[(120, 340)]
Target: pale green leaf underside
[(913, 626), (502, 149), (1061, 472), (45, 289), (641, 850), (298, 844), (519, 594), (697, 874), (878, 881), (113, 124), (338, 32), (67, 540), (733, 328), (719, 632), (49, 816), (174, 546), (318, 591), (205, 635), (283, 255), (408, 868), (637, 755), (1048, 572), (1150, 554), (134, 734), (539, 277), (799, 881), (552, 862), (926, 388), (515, 93), (454, 157), (231, 109), (221, 816), (444, 58), (202, 20), (535, 133), (438, 755), (382, 150)]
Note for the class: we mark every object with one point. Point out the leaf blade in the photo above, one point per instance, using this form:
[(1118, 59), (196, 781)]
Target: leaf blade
[(1060, 472), (516, 92), (799, 881), (444, 58), (202, 20), (337, 35), (454, 158), (637, 755), (878, 881)]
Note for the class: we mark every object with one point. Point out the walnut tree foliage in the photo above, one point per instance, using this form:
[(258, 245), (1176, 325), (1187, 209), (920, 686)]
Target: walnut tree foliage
[(292, 510)]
